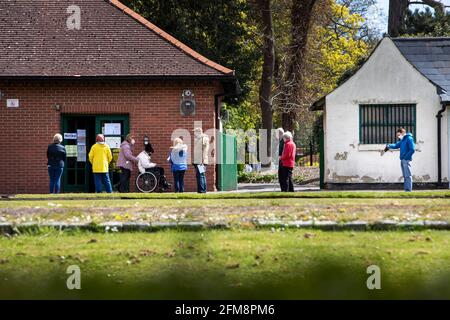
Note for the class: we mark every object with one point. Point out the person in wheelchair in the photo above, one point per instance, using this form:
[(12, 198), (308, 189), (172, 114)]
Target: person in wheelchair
[(146, 165)]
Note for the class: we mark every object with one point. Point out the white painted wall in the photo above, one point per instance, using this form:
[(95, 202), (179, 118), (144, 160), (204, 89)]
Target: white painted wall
[(386, 78)]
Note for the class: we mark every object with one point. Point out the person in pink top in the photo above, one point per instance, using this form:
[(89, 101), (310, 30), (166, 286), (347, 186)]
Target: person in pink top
[(287, 162), (125, 162)]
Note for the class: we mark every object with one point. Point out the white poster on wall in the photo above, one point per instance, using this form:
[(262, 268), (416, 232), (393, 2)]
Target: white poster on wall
[(81, 137), (112, 129), (113, 142), (70, 136), (12, 103), (71, 151), (81, 153)]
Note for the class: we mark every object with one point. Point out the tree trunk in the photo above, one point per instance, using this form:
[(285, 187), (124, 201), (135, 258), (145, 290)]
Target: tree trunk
[(301, 15), (288, 120), (397, 10), (265, 89)]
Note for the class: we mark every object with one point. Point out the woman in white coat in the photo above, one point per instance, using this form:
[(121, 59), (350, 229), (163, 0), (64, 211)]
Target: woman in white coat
[(145, 164), (145, 159)]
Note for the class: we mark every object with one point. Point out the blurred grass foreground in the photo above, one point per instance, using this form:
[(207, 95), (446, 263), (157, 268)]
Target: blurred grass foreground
[(226, 264)]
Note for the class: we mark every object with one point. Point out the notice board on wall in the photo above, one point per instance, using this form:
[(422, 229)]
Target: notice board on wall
[(112, 129)]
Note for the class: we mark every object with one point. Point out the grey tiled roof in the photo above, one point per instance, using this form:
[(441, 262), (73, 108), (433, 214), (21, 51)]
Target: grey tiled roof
[(113, 41), (431, 56)]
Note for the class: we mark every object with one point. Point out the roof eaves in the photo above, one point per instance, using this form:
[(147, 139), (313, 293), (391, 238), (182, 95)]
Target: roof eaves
[(197, 56), (319, 104)]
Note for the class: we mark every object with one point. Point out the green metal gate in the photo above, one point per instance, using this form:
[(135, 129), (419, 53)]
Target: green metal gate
[(322, 159), (227, 148)]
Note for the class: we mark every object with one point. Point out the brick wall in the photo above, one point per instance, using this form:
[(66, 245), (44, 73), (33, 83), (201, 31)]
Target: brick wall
[(152, 106)]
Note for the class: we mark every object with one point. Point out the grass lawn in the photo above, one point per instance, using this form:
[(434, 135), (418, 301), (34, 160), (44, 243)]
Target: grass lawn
[(226, 264), (246, 195), (241, 262)]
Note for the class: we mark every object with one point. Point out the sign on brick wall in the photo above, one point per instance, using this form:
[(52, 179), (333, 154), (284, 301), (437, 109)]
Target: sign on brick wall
[(12, 103)]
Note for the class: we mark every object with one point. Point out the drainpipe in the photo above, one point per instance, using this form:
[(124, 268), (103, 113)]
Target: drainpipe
[(439, 129), (217, 120), (217, 108)]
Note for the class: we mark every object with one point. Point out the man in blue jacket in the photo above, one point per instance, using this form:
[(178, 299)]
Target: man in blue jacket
[(407, 149)]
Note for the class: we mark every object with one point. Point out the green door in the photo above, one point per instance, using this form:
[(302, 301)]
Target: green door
[(77, 135), (115, 128), (79, 132), (227, 149)]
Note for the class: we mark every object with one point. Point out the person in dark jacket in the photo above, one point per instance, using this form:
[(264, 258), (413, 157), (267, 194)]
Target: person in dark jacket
[(56, 157), (407, 149)]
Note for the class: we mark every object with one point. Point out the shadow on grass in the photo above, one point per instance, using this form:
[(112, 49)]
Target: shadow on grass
[(329, 280)]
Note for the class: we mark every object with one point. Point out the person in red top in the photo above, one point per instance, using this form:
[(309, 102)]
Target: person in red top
[(287, 162)]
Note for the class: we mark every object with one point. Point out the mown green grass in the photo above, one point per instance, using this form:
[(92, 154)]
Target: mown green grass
[(212, 202), (226, 264), (237, 202)]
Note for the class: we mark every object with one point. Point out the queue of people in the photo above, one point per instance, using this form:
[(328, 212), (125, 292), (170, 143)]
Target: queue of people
[(100, 157)]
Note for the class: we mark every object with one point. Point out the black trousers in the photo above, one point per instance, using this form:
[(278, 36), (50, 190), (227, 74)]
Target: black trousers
[(285, 177), (125, 175), (279, 172), (178, 179)]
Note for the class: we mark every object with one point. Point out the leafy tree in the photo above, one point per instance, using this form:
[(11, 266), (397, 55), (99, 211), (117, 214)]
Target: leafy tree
[(221, 30), (427, 23), (338, 37), (398, 12), (268, 67), (339, 47), (335, 46)]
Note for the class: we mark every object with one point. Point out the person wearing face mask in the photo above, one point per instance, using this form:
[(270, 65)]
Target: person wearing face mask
[(125, 162), (407, 149), (100, 157)]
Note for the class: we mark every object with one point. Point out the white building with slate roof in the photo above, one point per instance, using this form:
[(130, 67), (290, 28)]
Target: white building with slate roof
[(404, 83)]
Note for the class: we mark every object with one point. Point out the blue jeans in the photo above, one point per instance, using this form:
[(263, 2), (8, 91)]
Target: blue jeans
[(55, 173), (201, 180), (178, 179), (101, 179), (407, 176)]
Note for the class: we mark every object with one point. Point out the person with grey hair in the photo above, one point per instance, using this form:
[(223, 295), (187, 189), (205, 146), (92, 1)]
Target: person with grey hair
[(287, 163), (279, 136), (56, 157), (200, 161)]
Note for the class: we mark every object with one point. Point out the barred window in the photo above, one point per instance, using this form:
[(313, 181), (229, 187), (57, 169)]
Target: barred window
[(379, 122)]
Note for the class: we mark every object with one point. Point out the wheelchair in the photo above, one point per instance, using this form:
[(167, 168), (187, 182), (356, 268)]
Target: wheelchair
[(152, 180)]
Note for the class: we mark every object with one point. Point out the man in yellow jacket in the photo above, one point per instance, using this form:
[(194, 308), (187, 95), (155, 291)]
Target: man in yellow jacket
[(100, 156)]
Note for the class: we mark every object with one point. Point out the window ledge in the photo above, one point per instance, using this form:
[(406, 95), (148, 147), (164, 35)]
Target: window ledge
[(372, 147)]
